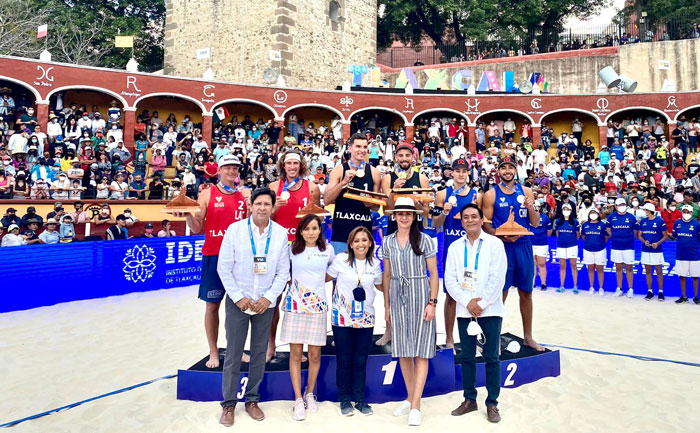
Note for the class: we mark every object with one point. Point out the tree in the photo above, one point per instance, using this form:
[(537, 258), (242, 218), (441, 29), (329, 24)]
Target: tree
[(457, 21), (18, 26), (674, 16)]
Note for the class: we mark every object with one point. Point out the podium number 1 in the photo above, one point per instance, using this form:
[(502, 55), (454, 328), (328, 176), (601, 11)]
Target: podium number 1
[(389, 370)]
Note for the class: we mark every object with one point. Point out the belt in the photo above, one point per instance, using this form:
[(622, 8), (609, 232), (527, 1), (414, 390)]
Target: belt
[(404, 281)]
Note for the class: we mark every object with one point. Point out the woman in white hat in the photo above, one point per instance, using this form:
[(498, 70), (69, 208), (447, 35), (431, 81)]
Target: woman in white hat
[(410, 299), (13, 238)]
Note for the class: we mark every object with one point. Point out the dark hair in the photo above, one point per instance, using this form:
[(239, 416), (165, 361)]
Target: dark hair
[(356, 136), (262, 191), (414, 236), (165, 222), (471, 206), (351, 237), (120, 217), (299, 244)]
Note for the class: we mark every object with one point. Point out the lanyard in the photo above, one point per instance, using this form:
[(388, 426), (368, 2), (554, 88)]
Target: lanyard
[(359, 275), (252, 241), (288, 185), (228, 188), (466, 254), (357, 167), (457, 192)]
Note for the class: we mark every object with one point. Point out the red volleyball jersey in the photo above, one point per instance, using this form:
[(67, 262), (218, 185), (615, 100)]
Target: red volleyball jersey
[(286, 216), (222, 211)]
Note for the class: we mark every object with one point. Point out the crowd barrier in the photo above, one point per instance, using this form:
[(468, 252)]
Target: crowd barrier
[(42, 275)]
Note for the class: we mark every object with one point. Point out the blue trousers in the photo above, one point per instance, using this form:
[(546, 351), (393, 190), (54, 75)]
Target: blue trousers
[(492, 331)]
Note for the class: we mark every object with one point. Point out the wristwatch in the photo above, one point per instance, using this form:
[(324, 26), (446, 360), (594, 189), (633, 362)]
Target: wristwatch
[(432, 302)]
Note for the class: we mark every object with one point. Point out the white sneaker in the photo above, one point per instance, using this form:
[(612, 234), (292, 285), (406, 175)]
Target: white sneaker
[(299, 410), (310, 401), (591, 291), (618, 292), (415, 417), (601, 292), (629, 293), (403, 408)]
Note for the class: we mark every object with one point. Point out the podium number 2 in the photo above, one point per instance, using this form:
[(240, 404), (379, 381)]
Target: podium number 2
[(512, 368), (389, 370), (244, 386)]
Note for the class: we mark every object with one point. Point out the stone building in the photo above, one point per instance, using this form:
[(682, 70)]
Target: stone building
[(316, 39)]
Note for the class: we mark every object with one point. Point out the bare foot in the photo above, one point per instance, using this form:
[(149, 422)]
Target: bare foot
[(451, 345), (213, 360), (245, 357), (529, 342), (270, 353), (386, 338)]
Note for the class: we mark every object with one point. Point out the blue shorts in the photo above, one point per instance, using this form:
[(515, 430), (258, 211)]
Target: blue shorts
[(211, 289), (521, 266)]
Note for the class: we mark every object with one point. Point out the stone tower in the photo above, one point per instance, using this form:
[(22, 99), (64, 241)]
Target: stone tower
[(316, 39)]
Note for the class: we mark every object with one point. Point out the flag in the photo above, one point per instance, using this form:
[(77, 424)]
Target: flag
[(124, 41), (220, 114), (203, 53), (42, 31)]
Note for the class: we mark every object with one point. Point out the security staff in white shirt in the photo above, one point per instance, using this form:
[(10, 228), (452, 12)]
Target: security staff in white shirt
[(254, 269), (475, 273)]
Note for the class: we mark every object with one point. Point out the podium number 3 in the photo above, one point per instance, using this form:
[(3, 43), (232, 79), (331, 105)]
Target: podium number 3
[(512, 368), (389, 370), (244, 387)]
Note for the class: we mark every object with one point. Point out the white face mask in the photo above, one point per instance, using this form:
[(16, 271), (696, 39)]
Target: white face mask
[(687, 216), (127, 214), (672, 208), (593, 216), (566, 213), (105, 211), (622, 209), (635, 203), (474, 329)]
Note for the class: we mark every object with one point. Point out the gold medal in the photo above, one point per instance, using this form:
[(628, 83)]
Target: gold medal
[(402, 175), (360, 173)]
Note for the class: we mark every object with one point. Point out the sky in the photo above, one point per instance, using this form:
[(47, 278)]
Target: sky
[(602, 18)]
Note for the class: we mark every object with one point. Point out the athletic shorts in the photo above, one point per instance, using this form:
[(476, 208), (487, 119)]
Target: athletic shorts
[(567, 253), (688, 268), (652, 258), (622, 256), (540, 251), (211, 289), (595, 257), (521, 266)]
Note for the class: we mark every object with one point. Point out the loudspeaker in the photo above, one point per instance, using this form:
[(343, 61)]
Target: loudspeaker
[(609, 77), (627, 84)]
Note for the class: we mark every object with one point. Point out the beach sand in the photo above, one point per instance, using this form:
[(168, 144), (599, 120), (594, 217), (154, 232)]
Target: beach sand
[(54, 356)]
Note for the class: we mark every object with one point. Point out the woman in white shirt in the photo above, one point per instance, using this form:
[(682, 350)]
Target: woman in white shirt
[(357, 274), (305, 308)]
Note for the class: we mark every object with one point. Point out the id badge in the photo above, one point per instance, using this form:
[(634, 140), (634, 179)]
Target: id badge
[(358, 310), (469, 281), (260, 265)]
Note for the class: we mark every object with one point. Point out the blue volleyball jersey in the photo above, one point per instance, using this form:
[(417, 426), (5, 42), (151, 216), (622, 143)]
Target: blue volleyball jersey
[(452, 227), (566, 233), (501, 210), (539, 233), (687, 235), (652, 231), (594, 233), (622, 229), (429, 229)]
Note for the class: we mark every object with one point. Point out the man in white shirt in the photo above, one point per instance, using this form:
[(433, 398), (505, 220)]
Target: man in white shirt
[(115, 132), (476, 284), (98, 123), (509, 129), (54, 128), (18, 142), (254, 269), (539, 156)]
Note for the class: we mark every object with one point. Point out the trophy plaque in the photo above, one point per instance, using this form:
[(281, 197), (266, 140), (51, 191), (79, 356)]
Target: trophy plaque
[(313, 209), (366, 196), (181, 203), (418, 194), (511, 228)]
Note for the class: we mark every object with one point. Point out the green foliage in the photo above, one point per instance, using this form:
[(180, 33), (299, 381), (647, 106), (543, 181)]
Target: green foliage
[(455, 21), (662, 11)]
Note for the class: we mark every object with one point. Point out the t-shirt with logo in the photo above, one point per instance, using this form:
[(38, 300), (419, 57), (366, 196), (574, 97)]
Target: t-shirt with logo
[(594, 233), (346, 311), (307, 292), (652, 231), (622, 229), (539, 233), (687, 234), (566, 233)]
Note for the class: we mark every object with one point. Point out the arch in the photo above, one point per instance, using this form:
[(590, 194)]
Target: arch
[(327, 107), (397, 112), (684, 111), (247, 101), (621, 110), (577, 110), (507, 110), (117, 96), (37, 96), (449, 110), (172, 95)]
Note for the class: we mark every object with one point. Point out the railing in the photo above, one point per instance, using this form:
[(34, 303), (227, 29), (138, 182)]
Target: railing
[(539, 41)]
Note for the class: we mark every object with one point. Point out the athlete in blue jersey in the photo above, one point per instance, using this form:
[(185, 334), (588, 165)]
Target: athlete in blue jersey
[(540, 243), (686, 232), (595, 235), (652, 233), (451, 201), (566, 228), (498, 202), (623, 229)]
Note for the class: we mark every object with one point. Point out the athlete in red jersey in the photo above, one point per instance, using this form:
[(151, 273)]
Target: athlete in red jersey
[(293, 193), (221, 205)]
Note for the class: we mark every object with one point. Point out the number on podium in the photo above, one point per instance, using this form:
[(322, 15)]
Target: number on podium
[(389, 370), (512, 368), (244, 386)]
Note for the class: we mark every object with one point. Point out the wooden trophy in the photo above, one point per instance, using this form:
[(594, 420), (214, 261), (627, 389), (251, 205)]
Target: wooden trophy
[(511, 228), (181, 203), (366, 196), (313, 209), (417, 194)]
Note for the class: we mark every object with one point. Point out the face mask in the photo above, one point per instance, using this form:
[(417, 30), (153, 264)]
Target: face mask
[(105, 211), (622, 209), (635, 203), (541, 200), (593, 216), (587, 202), (672, 208), (35, 140), (474, 329), (687, 216), (566, 213), (127, 214)]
